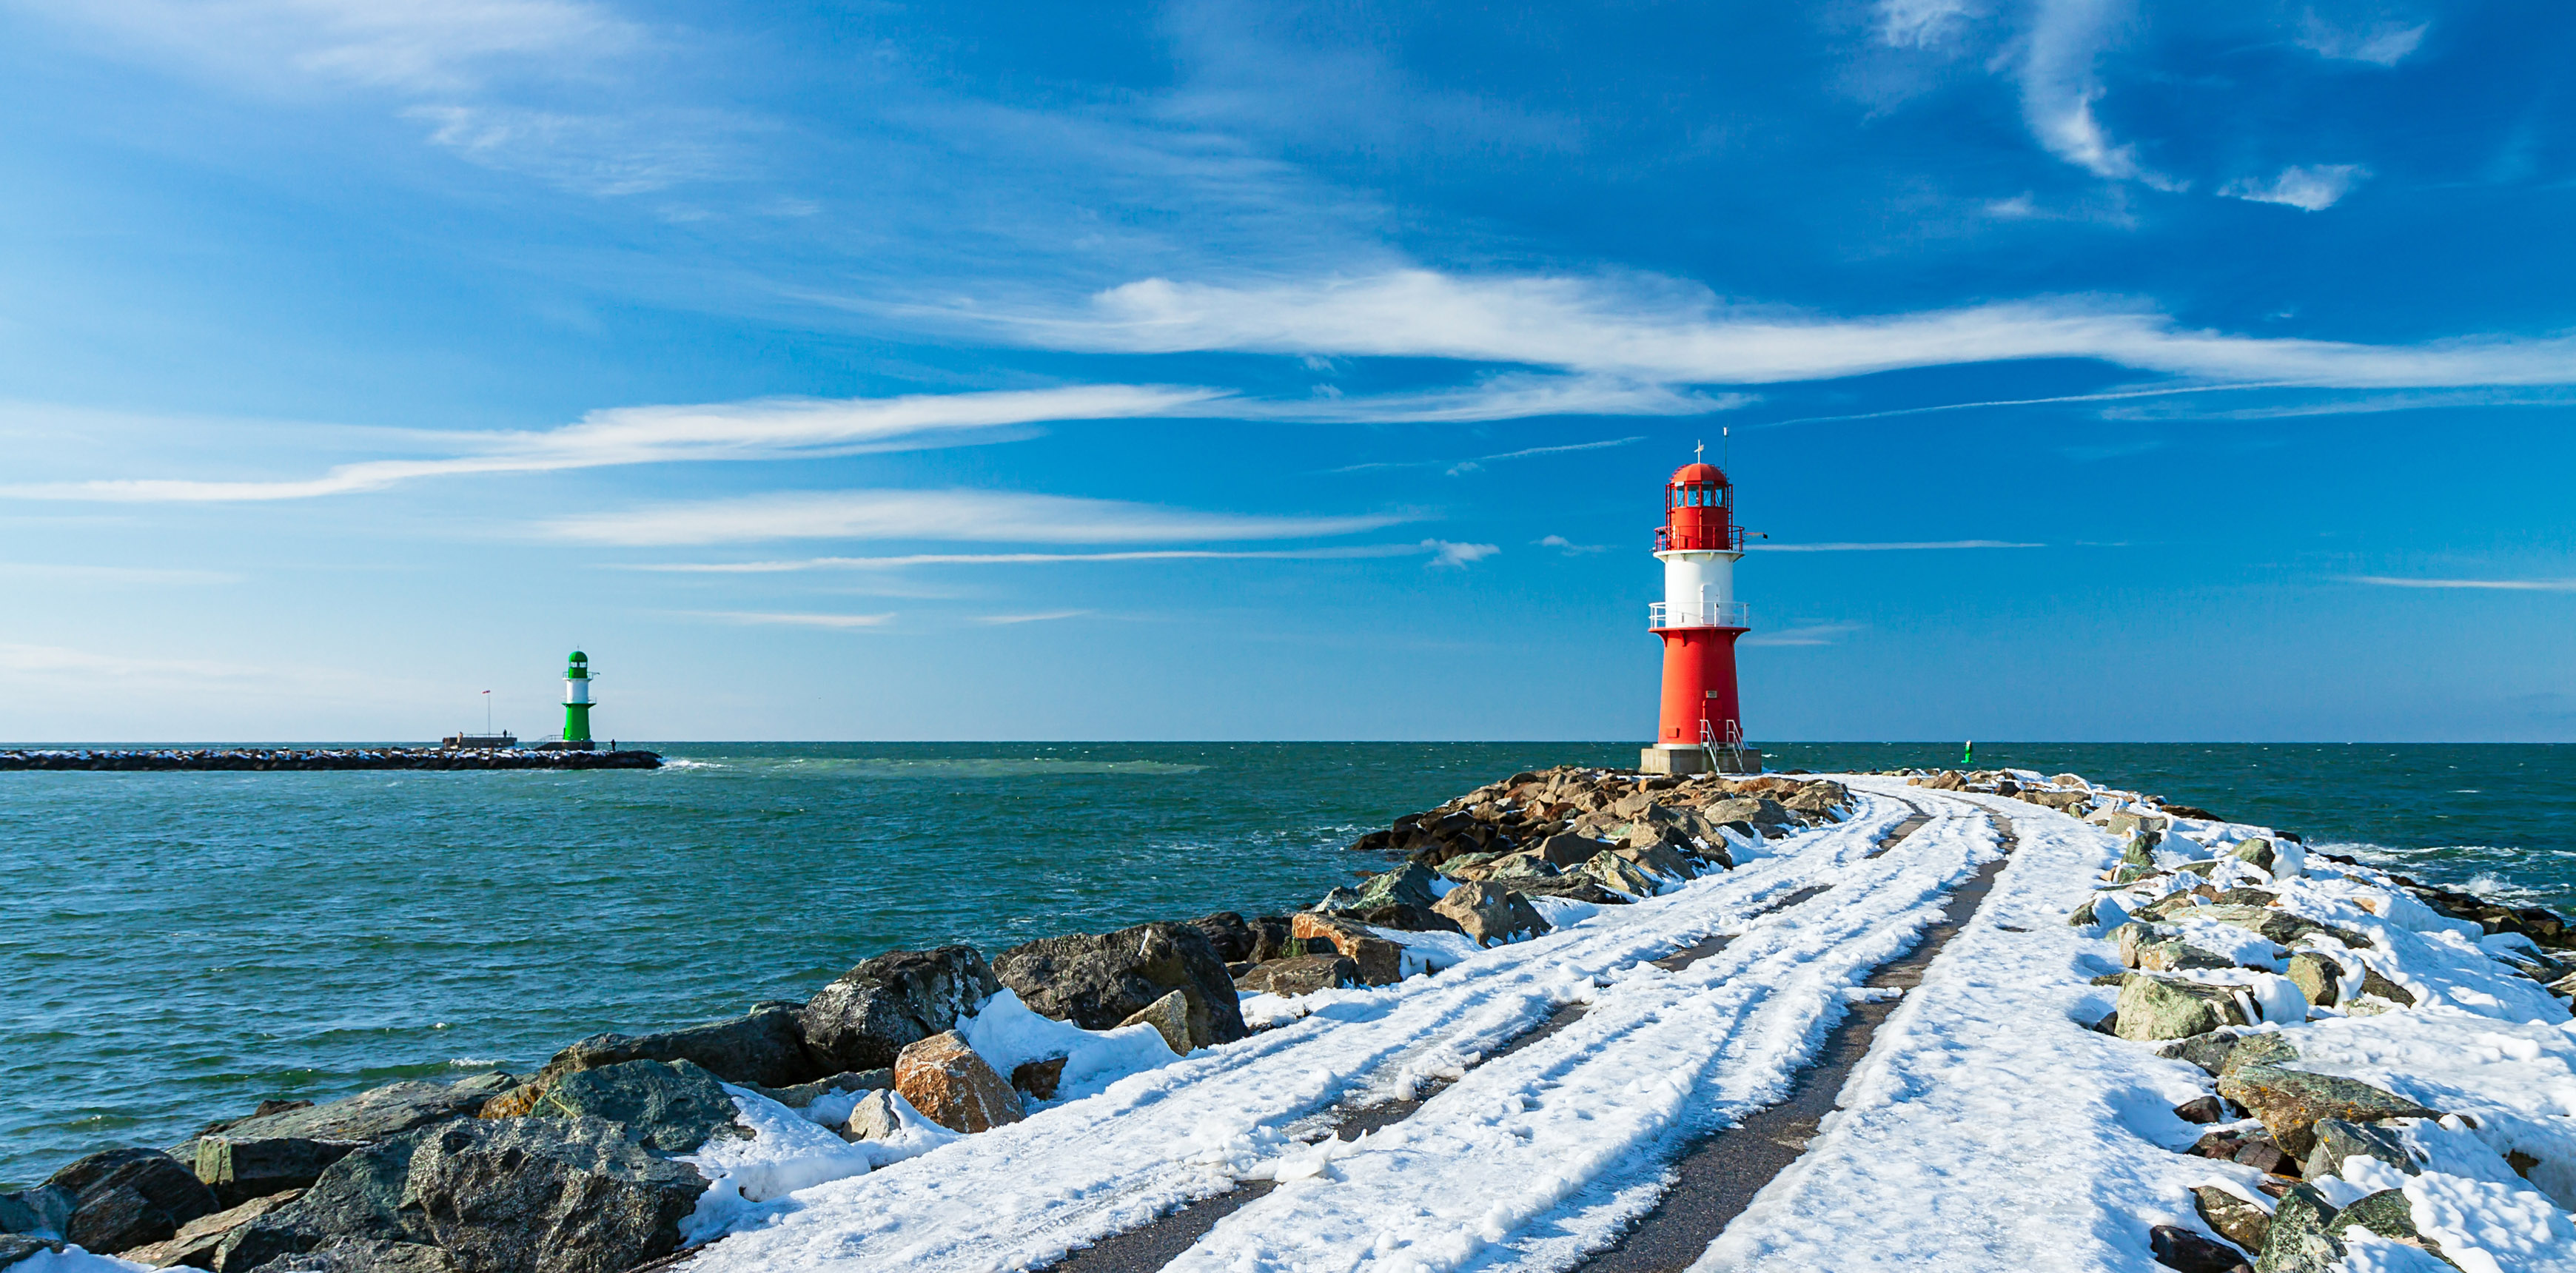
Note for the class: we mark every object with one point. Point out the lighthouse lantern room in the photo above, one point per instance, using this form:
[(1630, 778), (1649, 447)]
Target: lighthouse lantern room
[(1701, 727)]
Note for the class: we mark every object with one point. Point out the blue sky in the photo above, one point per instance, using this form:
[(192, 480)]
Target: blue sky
[(1218, 370)]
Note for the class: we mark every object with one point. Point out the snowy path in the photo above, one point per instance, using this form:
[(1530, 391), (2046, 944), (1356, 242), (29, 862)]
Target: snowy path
[(1535, 1158), (1022, 1195), (1988, 1128)]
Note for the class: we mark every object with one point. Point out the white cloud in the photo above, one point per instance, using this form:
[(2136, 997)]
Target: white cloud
[(2315, 187), (899, 561), (1041, 617), (982, 516), (1444, 553), (1664, 331), (781, 428), (757, 430), (2506, 585), (1569, 547), (1811, 634), (2382, 43), (602, 155), (2059, 86), (1900, 546), (1923, 24), (774, 618), (420, 45)]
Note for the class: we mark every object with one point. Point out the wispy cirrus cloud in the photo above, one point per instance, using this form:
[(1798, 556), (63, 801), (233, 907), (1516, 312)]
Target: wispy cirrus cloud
[(971, 515), (2501, 585), (1043, 616), (794, 619), (901, 560), (1666, 331), (755, 430), (419, 45), (788, 428), (2380, 40), (1898, 546), (1810, 634), (1457, 556), (2310, 188)]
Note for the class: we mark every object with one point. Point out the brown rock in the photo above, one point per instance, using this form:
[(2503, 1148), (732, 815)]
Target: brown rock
[(2232, 1218), (1381, 962), (2291, 1101), (953, 1087)]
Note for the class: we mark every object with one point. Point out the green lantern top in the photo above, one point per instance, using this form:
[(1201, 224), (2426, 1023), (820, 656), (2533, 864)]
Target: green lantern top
[(580, 669)]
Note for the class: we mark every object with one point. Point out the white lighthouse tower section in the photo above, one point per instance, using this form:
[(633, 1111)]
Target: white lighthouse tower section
[(577, 693), (1699, 589)]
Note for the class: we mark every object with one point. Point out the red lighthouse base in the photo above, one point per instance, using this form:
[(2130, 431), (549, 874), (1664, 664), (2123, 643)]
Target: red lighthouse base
[(1700, 714)]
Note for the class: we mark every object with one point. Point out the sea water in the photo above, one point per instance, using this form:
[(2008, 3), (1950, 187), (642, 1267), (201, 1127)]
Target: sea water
[(176, 947)]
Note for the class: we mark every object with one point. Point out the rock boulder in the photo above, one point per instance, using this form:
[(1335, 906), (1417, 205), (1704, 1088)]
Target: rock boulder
[(1099, 980), (672, 1107), (126, 1198), (874, 1011), (1491, 914), (547, 1195), (2291, 1101), (2154, 1008), (289, 1148), (763, 1048), (1301, 975), (1380, 962), (952, 1086)]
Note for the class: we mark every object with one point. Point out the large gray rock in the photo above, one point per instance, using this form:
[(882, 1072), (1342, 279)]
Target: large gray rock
[(2317, 977), (126, 1198), (1099, 980), (2300, 1239), (360, 1196), (1301, 975), (867, 1017), (764, 1047), (668, 1106), (2291, 1101), (270, 1153), (1407, 885), (2154, 1008), (2338, 1140), (544, 1195), (2388, 1214)]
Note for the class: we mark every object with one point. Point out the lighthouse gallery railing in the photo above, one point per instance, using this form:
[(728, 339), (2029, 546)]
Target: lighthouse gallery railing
[(1707, 614)]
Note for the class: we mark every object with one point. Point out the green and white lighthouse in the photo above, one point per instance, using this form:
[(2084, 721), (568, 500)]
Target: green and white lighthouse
[(577, 701)]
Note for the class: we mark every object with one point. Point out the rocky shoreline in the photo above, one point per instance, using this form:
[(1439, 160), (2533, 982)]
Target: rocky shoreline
[(625, 1150), (333, 758)]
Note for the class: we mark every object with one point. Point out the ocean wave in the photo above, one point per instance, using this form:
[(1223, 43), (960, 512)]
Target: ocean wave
[(996, 767)]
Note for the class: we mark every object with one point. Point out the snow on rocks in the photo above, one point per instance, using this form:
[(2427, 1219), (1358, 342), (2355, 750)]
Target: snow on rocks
[(1022, 1195)]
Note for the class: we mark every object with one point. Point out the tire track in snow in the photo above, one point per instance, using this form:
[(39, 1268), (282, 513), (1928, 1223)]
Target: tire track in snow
[(1715, 1180), (1021, 1196), (1533, 1159)]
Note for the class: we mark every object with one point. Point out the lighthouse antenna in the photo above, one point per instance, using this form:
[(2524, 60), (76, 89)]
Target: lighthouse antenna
[(1725, 448)]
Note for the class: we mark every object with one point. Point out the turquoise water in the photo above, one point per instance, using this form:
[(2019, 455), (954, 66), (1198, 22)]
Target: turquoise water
[(176, 947)]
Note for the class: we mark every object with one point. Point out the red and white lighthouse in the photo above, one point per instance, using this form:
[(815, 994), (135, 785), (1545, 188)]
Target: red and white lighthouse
[(1699, 620)]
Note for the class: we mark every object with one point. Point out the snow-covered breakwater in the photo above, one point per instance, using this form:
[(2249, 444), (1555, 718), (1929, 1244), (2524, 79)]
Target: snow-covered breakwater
[(272, 758), (1571, 980)]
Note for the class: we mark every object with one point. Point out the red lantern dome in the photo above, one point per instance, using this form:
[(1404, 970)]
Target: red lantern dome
[(1699, 512)]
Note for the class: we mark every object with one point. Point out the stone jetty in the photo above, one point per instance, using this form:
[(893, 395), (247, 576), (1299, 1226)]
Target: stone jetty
[(625, 1151), (292, 758)]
